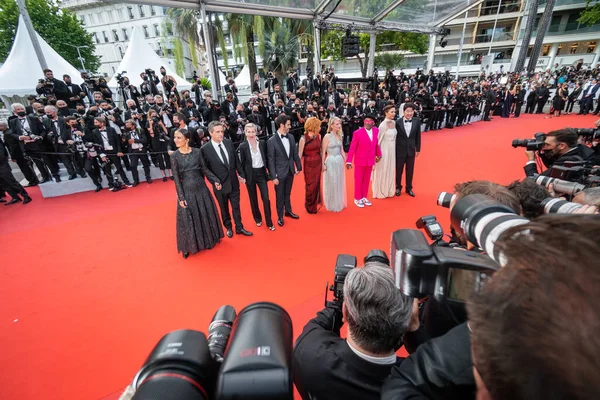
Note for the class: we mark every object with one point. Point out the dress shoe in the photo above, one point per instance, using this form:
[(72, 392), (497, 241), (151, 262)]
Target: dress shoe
[(148, 180), (259, 223), (128, 184), (271, 228), (30, 184), (410, 193), (13, 201), (72, 177), (229, 233), (26, 199), (164, 178), (57, 179), (243, 232), (172, 178), (46, 180), (186, 255), (98, 188), (83, 175), (292, 215), (280, 222), (135, 184), (398, 192)]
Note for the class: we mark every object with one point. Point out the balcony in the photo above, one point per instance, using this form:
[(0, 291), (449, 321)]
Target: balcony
[(573, 28), (582, 3)]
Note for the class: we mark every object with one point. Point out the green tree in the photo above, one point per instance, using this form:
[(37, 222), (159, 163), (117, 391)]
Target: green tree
[(331, 45), (187, 27), (281, 50), (387, 61), (591, 14), (60, 28)]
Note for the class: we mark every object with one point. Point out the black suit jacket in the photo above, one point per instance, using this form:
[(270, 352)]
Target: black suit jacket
[(408, 145), (279, 163), (245, 164), (64, 130), (113, 139), (225, 109), (217, 171), (37, 129), (142, 139), (579, 153)]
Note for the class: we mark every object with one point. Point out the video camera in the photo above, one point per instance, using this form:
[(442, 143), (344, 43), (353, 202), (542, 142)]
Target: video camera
[(245, 357), (531, 144), (120, 78)]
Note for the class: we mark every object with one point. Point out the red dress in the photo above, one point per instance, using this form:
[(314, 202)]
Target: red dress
[(312, 173)]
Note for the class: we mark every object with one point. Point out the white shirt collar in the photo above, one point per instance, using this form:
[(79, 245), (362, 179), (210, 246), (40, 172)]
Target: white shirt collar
[(387, 360)]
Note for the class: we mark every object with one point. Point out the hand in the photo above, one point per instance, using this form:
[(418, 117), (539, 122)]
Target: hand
[(24, 137), (551, 190), (131, 141), (377, 159), (218, 186), (530, 155), (348, 166), (169, 152), (69, 142), (587, 209), (297, 172), (119, 154), (241, 179), (414, 322), (13, 160), (183, 204), (275, 181), (104, 159), (417, 154)]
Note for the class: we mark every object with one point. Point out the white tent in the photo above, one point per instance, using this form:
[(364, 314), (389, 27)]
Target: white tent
[(243, 79), (20, 72), (140, 56)]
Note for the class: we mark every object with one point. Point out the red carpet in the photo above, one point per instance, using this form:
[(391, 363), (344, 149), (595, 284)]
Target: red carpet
[(90, 282)]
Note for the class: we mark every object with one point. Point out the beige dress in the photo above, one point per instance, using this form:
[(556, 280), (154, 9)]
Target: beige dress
[(384, 172)]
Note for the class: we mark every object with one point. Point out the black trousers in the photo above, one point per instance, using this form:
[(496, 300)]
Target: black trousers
[(44, 162), (282, 195), (93, 169), (233, 198), (135, 157), (8, 182), (164, 161), (529, 108), (259, 179), (25, 167), (402, 160), (68, 160), (518, 109), (540, 106), (586, 105)]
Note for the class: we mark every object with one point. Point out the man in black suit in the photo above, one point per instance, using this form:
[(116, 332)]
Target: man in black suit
[(30, 133), (110, 141), (408, 146), (59, 135), (221, 163), (228, 106), (253, 171), (541, 94), (137, 142), (191, 114), (8, 182), (283, 164), (16, 153), (76, 94), (53, 86)]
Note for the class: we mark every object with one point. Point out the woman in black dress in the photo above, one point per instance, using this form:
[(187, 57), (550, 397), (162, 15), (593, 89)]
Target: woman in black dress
[(198, 223), (159, 140)]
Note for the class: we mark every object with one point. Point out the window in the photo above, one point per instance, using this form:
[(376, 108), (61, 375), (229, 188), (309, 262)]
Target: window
[(105, 37), (125, 36), (141, 9), (130, 11), (95, 36), (546, 50), (115, 35), (591, 47), (145, 31), (573, 49), (109, 16), (169, 29), (121, 52), (82, 19), (159, 49), (156, 30), (91, 18), (100, 18), (560, 49), (152, 10)]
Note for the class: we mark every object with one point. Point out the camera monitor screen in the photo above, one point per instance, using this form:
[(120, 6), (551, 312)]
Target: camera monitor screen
[(463, 282)]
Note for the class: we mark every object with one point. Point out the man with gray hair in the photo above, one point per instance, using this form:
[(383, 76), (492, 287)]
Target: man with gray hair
[(378, 314)]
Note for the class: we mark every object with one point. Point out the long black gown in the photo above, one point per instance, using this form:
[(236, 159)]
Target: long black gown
[(198, 225)]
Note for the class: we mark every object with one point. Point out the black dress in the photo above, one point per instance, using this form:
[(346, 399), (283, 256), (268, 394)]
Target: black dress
[(198, 225)]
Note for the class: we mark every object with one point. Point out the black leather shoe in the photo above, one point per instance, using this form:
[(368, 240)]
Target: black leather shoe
[(13, 201), (172, 178), (280, 222), (186, 255), (164, 178), (398, 192), (57, 179), (26, 199), (243, 232), (148, 180), (229, 233), (135, 184), (271, 228), (30, 184), (410, 193), (98, 188), (46, 180), (292, 215), (72, 177)]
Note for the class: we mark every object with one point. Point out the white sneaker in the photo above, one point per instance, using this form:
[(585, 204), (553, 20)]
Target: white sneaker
[(359, 203), (366, 202)]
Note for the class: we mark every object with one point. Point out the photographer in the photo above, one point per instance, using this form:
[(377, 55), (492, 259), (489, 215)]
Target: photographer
[(210, 110), (76, 94), (159, 140), (329, 367), (110, 142), (78, 147), (51, 86), (169, 83), (137, 143), (59, 135), (237, 120), (192, 113), (559, 146), (148, 86), (134, 113)]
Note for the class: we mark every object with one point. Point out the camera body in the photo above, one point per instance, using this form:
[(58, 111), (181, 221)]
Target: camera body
[(531, 144)]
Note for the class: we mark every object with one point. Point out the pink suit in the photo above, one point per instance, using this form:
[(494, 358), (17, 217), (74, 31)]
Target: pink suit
[(363, 150)]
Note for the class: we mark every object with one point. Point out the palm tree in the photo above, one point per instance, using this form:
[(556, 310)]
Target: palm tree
[(187, 27), (281, 50)]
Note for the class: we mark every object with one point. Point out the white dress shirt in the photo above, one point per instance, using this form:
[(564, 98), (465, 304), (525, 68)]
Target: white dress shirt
[(407, 126), (370, 133), (105, 142), (286, 143), (216, 146), (257, 160)]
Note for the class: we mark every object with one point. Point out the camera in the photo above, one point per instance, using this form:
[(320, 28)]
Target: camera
[(589, 133), (431, 226), (120, 78), (560, 186), (245, 357), (156, 119), (445, 199), (149, 72), (559, 206), (531, 144)]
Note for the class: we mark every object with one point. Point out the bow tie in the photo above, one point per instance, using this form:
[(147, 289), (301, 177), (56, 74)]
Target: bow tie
[(284, 137), (408, 120)]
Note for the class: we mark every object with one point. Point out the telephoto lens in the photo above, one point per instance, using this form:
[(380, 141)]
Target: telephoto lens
[(559, 206), (559, 185), (445, 199), (483, 220), (178, 368), (258, 360), (219, 331)]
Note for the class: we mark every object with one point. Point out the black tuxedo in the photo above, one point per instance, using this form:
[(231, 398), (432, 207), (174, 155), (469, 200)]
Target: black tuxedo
[(139, 153), (36, 128), (58, 135), (406, 148), (16, 153), (255, 86), (256, 177), (224, 173), (74, 91), (114, 140), (59, 89), (283, 167), (191, 112), (226, 107), (8, 182)]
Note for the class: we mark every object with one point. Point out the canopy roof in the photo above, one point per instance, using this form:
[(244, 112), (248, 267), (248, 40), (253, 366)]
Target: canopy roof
[(426, 16), (138, 57), (20, 72)]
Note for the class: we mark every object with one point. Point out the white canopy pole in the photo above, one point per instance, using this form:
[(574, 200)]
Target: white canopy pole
[(208, 45), (460, 47), (32, 35)]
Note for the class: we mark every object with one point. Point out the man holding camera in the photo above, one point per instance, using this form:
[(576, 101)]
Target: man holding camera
[(52, 86), (378, 314), (110, 141), (559, 146)]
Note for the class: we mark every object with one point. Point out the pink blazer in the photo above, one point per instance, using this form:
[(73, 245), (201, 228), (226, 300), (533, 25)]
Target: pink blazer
[(362, 149)]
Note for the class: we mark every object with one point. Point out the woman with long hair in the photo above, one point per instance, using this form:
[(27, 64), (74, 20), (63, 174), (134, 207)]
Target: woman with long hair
[(309, 149), (334, 159), (198, 223), (560, 99), (384, 172), (159, 139)]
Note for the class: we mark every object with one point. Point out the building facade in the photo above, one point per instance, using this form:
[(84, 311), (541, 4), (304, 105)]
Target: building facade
[(111, 25)]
